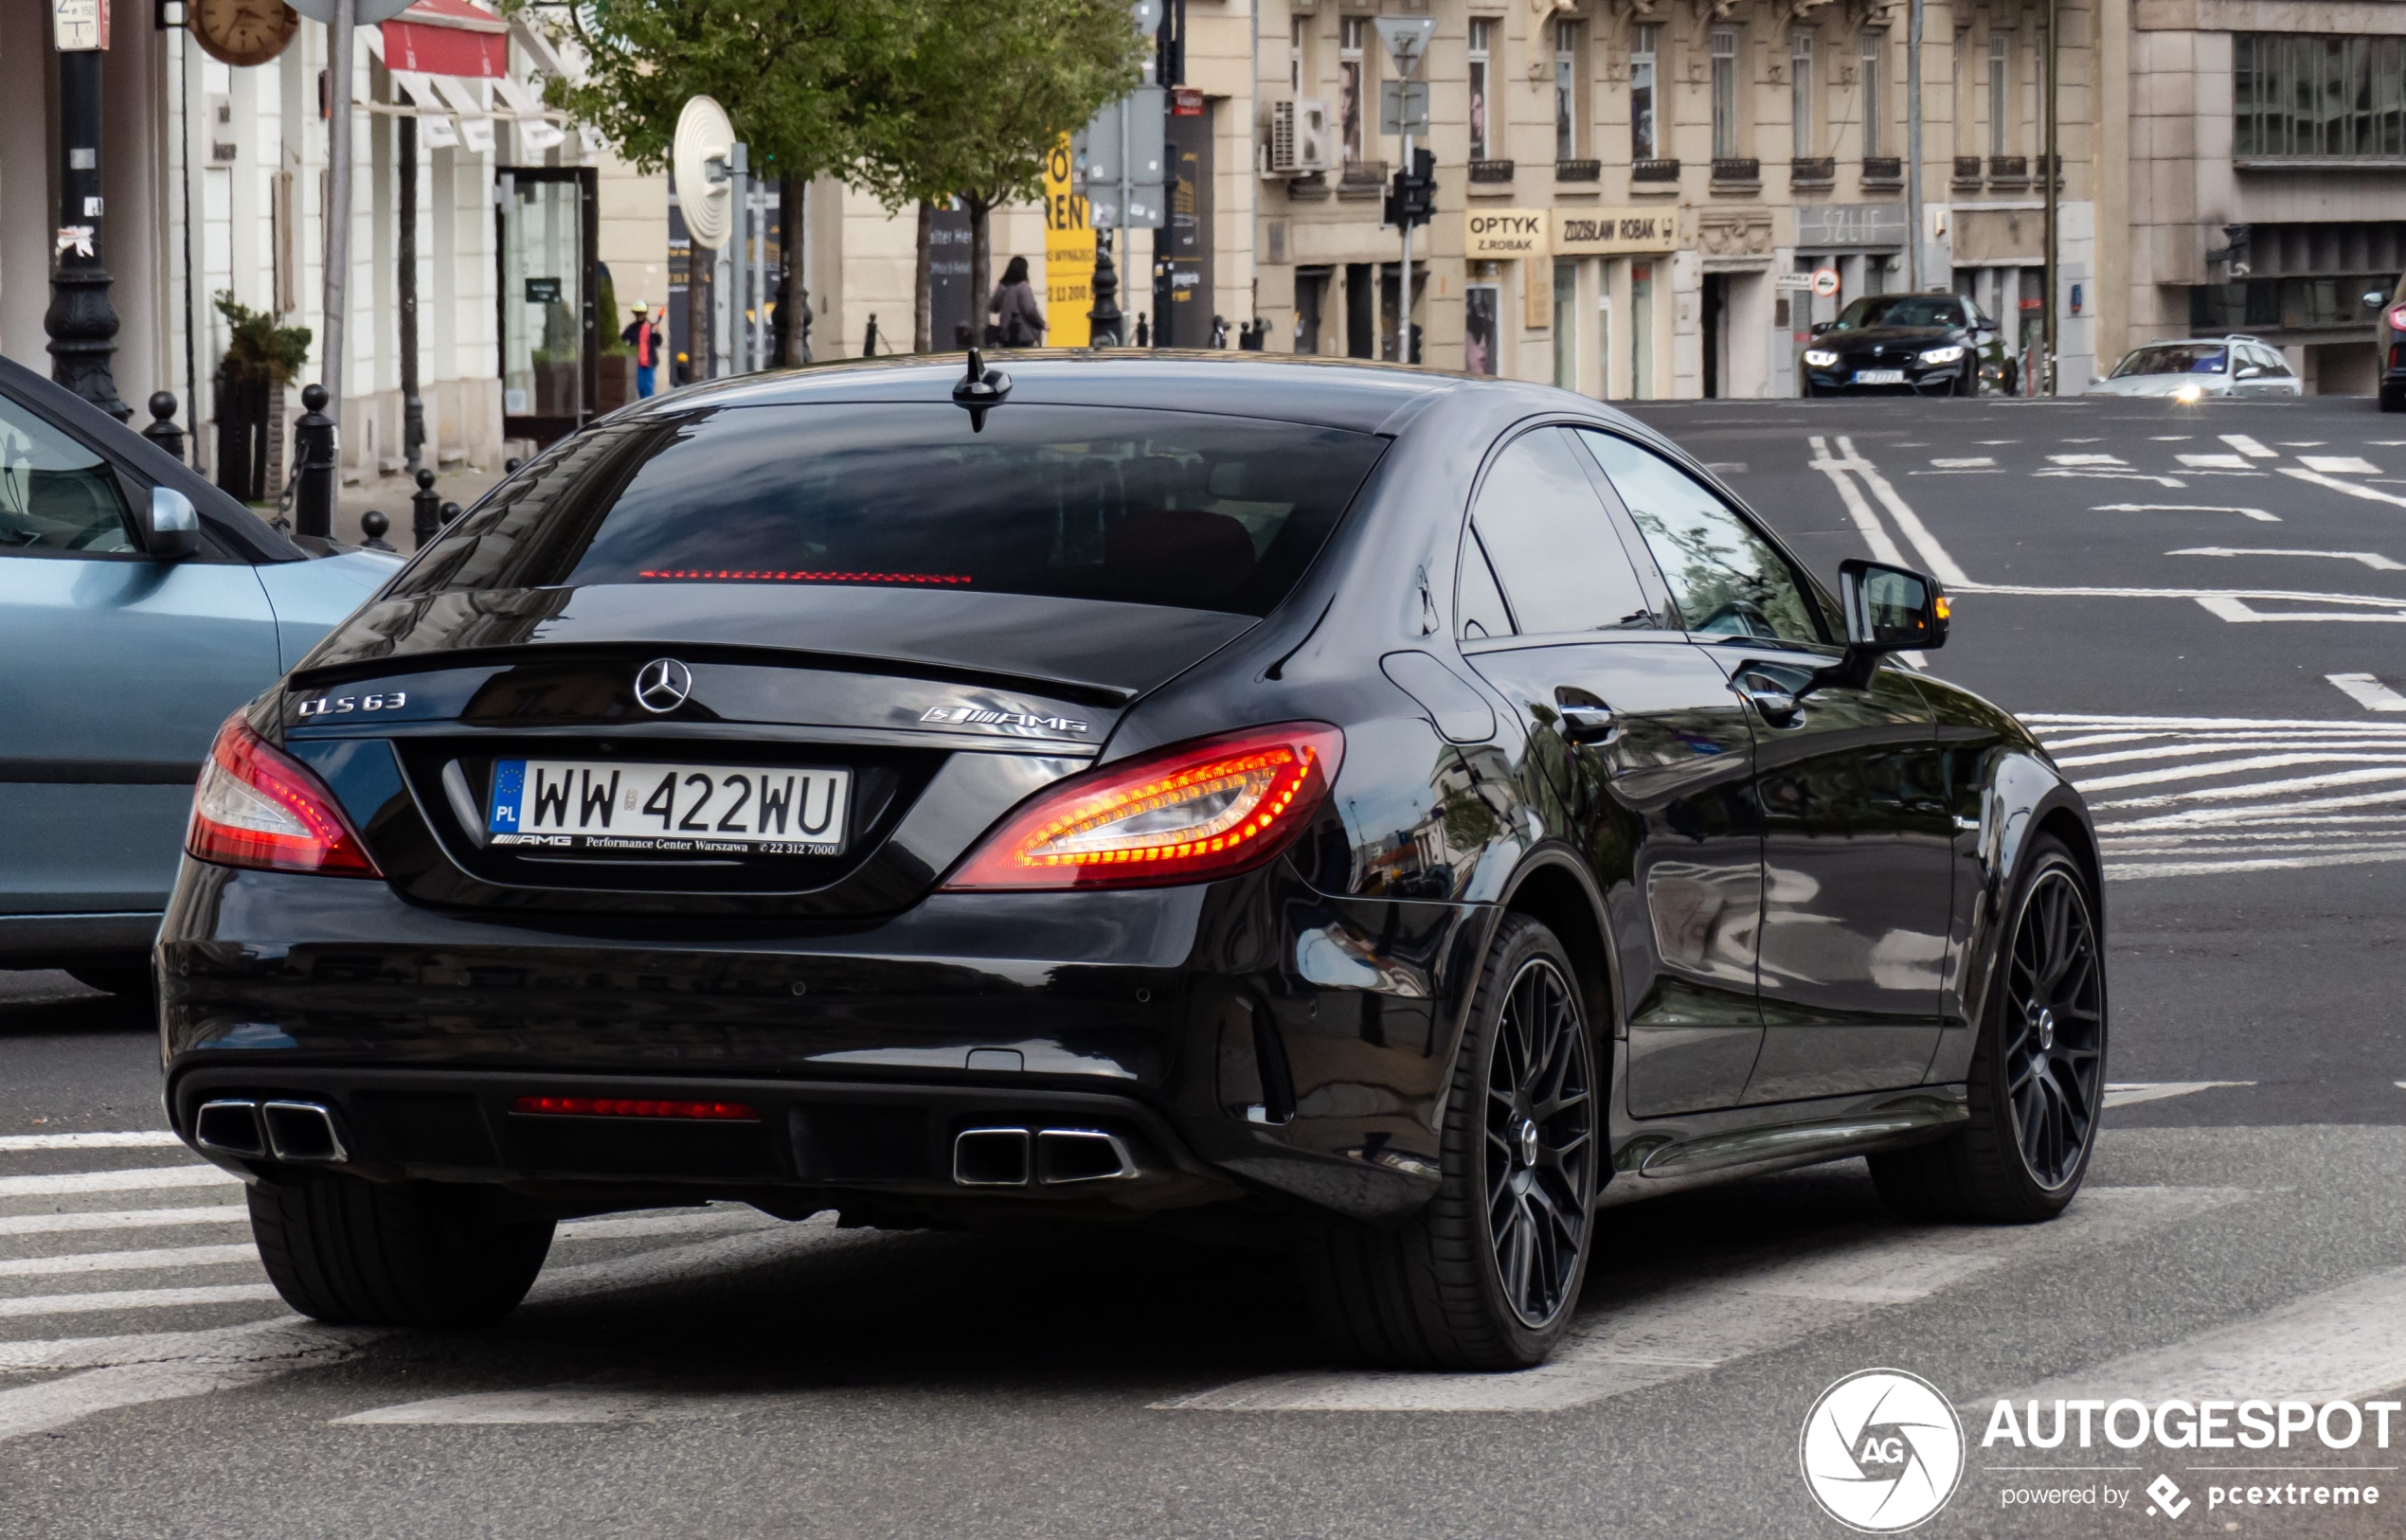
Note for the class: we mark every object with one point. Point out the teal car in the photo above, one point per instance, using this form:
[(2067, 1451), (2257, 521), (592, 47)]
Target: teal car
[(139, 607)]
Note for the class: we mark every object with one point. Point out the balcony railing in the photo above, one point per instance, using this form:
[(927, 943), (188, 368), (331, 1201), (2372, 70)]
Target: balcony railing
[(1968, 170), (1654, 170), (1578, 170), (1883, 169), (1732, 169), (2009, 168), (1491, 171), (1813, 170), (1364, 173)]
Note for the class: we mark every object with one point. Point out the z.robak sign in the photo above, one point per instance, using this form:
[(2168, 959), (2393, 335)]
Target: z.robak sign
[(1609, 232), (1497, 234)]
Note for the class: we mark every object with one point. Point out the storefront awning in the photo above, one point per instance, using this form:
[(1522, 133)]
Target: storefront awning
[(447, 37)]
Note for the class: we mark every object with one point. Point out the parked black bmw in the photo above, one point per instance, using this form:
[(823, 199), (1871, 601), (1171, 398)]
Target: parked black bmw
[(1921, 344), (1391, 809)]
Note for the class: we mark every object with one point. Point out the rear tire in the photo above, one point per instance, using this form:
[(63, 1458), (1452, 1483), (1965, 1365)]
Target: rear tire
[(366, 1253), (1488, 1276), (2037, 1085)]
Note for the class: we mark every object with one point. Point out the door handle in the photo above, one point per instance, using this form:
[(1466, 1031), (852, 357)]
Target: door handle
[(1584, 719), (1778, 708)]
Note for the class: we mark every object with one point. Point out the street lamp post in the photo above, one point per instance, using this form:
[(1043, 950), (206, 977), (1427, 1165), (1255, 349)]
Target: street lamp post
[(1913, 146), (2054, 278), (1407, 38), (80, 321)]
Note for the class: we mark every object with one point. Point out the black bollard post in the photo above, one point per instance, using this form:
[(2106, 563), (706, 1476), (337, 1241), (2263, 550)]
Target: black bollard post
[(313, 456), (373, 525), (425, 509), (161, 430), (450, 511)]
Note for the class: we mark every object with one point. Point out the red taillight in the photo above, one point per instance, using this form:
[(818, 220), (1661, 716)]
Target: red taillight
[(622, 1106), (257, 806), (2397, 317), (1194, 811)]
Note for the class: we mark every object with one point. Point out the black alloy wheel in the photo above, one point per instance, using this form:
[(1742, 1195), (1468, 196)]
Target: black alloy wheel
[(1542, 1145), (2035, 1083), (1486, 1275), (2054, 1066)]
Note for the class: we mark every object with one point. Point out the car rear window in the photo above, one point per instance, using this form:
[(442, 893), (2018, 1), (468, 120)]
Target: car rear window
[(1140, 506), (2202, 359)]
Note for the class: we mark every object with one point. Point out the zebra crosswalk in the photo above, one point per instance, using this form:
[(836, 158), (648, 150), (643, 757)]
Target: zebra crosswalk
[(2178, 796)]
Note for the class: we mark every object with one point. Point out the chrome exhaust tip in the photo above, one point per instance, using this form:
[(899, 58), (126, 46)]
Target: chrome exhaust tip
[(301, 1130), (990, 1158), (1067, 1155), (230, 1128)]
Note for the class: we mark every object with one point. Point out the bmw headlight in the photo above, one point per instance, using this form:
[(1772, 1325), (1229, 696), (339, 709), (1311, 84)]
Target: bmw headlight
[(1943, 355), (1820, 358)]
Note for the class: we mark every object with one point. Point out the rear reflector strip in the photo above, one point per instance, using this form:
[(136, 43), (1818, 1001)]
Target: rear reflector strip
[(613, 1107)]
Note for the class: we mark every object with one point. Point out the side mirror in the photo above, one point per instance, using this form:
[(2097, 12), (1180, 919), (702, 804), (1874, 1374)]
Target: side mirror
[(2375, 299), (1820, 327), (1891, 609), (170, 526), (2249, 371)]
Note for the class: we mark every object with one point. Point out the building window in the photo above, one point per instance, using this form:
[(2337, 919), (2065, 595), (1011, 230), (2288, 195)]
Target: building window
[(1566, 91), (1350, 81), (1801, 92), (1480, 328), (1482, 29), (1299, 34), (1724, 146), (2330, 98), (1999, 107), (1874, 107), (1642, 144)]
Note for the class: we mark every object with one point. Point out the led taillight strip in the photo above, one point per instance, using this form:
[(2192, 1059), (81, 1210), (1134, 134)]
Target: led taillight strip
[(617, 1106), (1286, 783)]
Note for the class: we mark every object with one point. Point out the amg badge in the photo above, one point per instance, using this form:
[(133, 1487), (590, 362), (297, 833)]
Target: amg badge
[(978, 716)]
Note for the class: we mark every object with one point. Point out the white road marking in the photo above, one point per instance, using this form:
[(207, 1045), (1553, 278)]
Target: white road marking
[(2342, 1344), (2277, 788), (2371, 559), (2248, 447), (130, 1262), (2088, 459), (2339, 464), (1691, 1325), (2377, 855), (2304, 443), (2220, 462), (2172, 437), (1875, 533), (122, 1219), (138, 1139), (2368, 691), (2224, 767), (1967, 462), (1934, 558), (2237, 611), (143, 1179), (2131, 1093), (2259, 514), (568, 1404), (2101, 475), (103, 1299), (2369, 493)]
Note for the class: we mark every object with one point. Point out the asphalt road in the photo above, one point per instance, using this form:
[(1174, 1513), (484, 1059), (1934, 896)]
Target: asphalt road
[(718, 1372)]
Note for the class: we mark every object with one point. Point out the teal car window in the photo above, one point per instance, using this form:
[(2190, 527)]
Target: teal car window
[(55, 495)]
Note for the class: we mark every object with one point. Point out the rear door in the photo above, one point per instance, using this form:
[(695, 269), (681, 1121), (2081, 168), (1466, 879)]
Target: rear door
[(120, 670), (1857, 837), (1635, 728)]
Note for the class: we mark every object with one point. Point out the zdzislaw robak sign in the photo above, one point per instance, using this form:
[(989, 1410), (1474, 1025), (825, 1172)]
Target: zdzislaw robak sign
[(1501, 234)]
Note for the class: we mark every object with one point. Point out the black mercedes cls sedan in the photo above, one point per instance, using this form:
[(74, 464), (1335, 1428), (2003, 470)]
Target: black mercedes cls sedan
[(1920, 345), (1386, 809)]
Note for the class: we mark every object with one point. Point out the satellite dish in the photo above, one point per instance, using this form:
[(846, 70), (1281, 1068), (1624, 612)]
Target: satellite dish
[(364, 13), (705, 149)]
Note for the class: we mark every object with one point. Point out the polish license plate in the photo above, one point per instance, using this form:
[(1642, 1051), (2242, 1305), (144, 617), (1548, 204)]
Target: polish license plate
[(1879, 376), (668, 809)]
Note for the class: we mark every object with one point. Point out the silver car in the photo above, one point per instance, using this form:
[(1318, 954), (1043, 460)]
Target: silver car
[(2193, 368)]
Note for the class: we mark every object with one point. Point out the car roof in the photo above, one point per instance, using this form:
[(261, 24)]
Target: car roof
[(1353, 394)]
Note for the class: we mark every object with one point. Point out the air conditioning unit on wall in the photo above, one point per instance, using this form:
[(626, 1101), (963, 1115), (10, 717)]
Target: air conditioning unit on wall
[(1298, 137)]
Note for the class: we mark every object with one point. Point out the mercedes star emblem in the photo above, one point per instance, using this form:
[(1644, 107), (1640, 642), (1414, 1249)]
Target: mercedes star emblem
[(661, 685)]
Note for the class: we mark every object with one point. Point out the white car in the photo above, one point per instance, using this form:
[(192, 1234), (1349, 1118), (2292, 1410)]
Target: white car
[(2193, 368)]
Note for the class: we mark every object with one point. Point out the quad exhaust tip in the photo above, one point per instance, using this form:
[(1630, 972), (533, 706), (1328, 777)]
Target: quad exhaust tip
[(301, 1131), (1050, 1157)]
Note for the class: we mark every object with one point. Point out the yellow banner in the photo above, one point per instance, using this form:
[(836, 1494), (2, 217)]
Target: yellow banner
[(1493, 233), (1069, 253), (1609, 232)]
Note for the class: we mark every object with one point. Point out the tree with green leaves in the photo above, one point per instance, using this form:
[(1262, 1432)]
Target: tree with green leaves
[(978, 98)]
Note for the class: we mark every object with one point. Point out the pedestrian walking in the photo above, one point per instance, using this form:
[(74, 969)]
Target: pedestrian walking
[(641, 336), (1014, 307)]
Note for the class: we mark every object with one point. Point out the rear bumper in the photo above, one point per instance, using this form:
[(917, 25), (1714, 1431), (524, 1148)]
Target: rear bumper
[(1252, 1036)]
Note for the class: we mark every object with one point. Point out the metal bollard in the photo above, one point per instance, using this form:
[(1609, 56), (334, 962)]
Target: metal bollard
[(425, 509), (373, 525), (161, 430), (450, 511), (313, 455)]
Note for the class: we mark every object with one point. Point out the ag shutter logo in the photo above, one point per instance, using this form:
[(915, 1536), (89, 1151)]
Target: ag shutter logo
[(1881, 1451)]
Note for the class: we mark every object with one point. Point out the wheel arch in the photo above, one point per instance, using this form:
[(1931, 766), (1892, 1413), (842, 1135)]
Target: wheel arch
[(1554, 888)]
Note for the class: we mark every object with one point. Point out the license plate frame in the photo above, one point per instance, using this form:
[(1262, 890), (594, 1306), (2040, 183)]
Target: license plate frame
[(654, 809), (1879, 376)]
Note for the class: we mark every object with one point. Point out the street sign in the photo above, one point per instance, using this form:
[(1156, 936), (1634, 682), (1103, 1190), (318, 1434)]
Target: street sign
[(1105, 165), (80, 25), (1786, 281), (1402, 107), (1407, 39), (1824, 282)]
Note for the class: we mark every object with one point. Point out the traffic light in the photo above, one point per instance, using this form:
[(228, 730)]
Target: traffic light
[(1411, 197)]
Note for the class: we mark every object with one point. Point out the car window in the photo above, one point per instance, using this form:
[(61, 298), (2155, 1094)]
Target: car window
[(1179, 509), (1899, 309), (1478, 597), (1561, 566), (55, 495), (2274, 364), (1725, 578), (2176, 358)]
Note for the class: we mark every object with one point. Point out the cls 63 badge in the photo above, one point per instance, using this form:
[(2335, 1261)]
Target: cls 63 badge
[(343, 705)]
